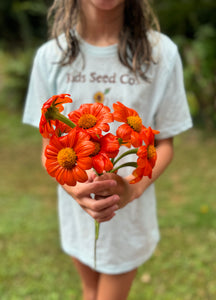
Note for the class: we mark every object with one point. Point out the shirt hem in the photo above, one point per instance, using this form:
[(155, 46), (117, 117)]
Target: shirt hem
[(113, 269)]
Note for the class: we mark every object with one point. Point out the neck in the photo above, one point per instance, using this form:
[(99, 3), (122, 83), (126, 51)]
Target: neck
[(100, 27)]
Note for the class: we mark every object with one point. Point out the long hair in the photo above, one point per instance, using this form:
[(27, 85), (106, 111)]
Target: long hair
[(134, 48)]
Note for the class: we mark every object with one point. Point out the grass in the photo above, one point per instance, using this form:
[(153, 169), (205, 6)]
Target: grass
[(32, 264)]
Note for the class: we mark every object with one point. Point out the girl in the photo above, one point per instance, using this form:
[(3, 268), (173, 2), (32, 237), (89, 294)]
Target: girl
[(107, 51)]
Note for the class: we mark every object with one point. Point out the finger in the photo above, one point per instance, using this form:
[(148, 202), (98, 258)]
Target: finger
[(103, 188), (104, 215), (106, 219), (84, 190), (100, 204), (99, 197), (92, 177), (106, 176)]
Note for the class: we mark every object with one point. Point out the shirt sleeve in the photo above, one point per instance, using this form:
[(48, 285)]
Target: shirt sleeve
[(173, 114), (39, 90)]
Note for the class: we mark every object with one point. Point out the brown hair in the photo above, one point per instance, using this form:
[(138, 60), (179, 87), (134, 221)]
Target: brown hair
[(134, 47)]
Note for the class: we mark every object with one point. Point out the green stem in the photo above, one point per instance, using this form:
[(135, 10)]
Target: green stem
[(131, 151), (65, 120), (129, 164), (97, 226), (54, 114)]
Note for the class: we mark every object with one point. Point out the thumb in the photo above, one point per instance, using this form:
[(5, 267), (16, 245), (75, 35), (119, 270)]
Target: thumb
[(91, 177)]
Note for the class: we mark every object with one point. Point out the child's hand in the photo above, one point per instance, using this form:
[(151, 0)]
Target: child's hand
[(123, 189), (103, 210)]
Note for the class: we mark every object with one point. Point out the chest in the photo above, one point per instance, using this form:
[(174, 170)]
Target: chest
[(107, 81)]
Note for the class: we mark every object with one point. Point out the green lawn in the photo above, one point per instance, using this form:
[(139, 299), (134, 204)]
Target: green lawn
[(32, 264)]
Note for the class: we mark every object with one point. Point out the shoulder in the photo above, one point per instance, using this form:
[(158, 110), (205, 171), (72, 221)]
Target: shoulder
[(50, 51), (164, 50)]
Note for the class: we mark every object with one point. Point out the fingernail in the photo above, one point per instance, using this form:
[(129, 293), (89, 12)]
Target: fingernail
[(116, 198), (113, 183), (115, 207)]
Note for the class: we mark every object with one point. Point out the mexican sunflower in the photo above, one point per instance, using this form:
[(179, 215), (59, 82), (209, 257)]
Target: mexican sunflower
[(99, 97), (50, 111), (92, 118), (147, 156), (68, 157), (106, 147), (131, 130)]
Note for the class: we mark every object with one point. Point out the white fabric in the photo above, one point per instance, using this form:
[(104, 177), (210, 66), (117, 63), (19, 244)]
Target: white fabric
[(130, 238)]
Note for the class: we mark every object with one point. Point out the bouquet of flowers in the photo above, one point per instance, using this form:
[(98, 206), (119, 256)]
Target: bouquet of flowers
[(82, 141)]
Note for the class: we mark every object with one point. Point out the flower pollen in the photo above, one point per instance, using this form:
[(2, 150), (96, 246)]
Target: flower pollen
[(135, 122), (67, 158), (87, 121), (151, 151)]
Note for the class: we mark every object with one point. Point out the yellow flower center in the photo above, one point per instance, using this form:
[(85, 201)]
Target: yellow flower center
[(99, 97), (97, 148), (87, 121), (67, 158), (151, 151), (135, 122)]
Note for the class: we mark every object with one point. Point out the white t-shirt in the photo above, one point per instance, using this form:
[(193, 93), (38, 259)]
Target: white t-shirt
[(130, 238)]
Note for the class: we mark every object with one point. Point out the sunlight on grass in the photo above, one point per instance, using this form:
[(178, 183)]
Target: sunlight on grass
[(32, 264)]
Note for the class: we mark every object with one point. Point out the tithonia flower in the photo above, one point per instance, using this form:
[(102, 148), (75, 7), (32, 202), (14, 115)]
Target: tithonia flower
[(69, 156), (106, 147), (132, 128), (99, 97), (92, 118), (50, 112), (147, 156)]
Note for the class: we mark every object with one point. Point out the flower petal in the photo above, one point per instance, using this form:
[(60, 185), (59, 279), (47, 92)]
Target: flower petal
[(98, 163), (84, 162), (79, 174), (69, 178), (136, 139)]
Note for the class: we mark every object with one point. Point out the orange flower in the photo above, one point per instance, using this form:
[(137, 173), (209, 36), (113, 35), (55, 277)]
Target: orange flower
[(68, 157), (56, 101), (99, 97), (106, 147), (50, 109), (92, 118), (147, 156), (132, 130)]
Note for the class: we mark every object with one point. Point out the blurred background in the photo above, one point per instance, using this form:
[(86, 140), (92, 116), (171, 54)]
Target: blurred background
[(183, 266)]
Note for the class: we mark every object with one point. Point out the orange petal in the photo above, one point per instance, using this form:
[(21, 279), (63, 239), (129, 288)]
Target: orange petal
[(69, 178), (124, 132), (85, 148), (98, 164), (136, 139), (59, 175), (79, 174), (84, 163)]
